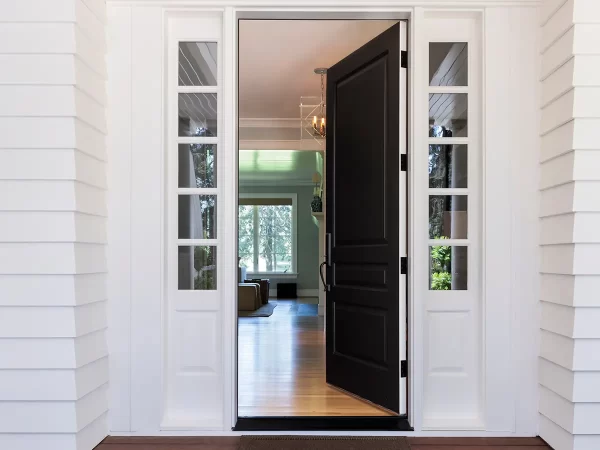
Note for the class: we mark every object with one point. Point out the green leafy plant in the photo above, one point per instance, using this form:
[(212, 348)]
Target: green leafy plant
[(441, 258), (441, 281)]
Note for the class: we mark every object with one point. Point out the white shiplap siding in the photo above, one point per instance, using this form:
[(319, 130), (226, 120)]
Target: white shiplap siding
[(53, 297), (569, 369)]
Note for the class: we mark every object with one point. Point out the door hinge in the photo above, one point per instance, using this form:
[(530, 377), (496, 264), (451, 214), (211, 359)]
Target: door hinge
[(403, 162), (404, 59), (403, 265), (403, 369)]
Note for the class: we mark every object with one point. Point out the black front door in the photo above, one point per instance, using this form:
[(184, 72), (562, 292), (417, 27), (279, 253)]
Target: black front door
[(362, 221)]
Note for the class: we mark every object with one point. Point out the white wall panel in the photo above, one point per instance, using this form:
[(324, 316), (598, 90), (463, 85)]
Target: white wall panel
[(147, 215), (119, 221)]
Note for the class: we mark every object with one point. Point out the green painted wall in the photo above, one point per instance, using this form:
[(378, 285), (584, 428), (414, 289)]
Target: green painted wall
[(308, 234)]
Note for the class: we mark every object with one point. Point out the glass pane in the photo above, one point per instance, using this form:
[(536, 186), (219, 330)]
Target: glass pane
[(197, 216), (448, 64), (448, 216), (448, 115), (275, 237), (448, 166), (197, 268), (247, 261), (197, 166), (246, 236), (198, 115), (283, 263), (448, 268), (197, 64)]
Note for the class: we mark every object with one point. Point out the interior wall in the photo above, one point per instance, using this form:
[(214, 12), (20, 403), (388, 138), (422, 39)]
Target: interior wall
[(307, 250)]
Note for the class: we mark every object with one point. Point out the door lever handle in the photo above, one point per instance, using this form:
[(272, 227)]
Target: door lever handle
[(325, 285)]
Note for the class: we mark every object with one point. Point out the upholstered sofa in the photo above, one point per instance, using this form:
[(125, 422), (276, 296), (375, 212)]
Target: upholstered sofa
[(249, 296), (248, 293)]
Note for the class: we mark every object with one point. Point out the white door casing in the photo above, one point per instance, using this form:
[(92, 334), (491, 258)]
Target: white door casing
[(148, 328)]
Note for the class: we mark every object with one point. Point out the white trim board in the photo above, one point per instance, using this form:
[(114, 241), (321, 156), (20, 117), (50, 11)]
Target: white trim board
[(333, 8)]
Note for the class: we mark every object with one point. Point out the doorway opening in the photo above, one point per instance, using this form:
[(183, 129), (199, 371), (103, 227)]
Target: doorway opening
[(321, 225)]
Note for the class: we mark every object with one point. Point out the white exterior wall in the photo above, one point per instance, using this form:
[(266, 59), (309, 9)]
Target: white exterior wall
[(53, 354), (569, 366)]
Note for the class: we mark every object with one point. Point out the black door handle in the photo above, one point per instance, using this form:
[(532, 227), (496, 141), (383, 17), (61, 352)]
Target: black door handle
[(325, 285)]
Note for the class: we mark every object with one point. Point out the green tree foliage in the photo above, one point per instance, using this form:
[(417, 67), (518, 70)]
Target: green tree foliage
[(274, 246), (246, 236), (205, 263), (441, 265), (275, 237), (203, 159)]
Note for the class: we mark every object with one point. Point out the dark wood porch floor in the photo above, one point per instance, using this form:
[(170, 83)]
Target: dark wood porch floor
[(231, 443)]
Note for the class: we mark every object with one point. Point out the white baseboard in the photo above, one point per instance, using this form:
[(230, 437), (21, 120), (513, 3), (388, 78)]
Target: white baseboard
[(308, 292), (300, 292)]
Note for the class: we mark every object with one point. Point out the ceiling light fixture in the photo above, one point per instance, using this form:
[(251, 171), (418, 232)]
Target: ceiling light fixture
[(312, 112), (318, 123)]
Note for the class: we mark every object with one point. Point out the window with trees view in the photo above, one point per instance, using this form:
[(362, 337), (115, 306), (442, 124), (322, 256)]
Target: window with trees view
[(266, 234)]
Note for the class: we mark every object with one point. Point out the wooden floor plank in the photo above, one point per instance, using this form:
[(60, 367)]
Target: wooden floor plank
[(213, 446), (172, 440), (473, 447), (483, 441), (281, 368)]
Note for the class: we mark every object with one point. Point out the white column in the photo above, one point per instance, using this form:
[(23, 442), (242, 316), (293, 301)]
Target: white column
[(569, 371), (53, 354)]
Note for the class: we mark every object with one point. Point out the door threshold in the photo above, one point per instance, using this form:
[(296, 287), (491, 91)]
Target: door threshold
[(323, 423)]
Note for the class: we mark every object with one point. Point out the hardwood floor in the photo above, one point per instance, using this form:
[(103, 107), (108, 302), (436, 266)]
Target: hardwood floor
[(281, 368), (231, 443)]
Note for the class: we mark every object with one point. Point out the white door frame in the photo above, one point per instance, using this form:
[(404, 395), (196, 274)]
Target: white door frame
[(506, 349), (406, 106)]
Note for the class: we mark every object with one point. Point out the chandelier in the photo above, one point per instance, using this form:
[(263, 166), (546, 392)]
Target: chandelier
[(318, 122), (312, 112)]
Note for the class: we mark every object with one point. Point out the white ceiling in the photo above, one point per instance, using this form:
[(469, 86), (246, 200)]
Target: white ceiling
[(277, 59)]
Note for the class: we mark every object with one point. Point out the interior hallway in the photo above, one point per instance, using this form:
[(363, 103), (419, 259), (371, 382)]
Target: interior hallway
[(281, 367)]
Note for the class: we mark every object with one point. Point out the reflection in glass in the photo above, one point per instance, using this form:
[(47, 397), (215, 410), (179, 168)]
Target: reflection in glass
[(197, 216), (197, 166), (197, 64), (448, 216), (448, 115), (448, 268), (198, 115), (197, 269), (448, 166), (448, 64)]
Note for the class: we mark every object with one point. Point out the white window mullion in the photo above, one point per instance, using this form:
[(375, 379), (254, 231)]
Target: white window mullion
[(197, 140), (255, 226), (448, 140)]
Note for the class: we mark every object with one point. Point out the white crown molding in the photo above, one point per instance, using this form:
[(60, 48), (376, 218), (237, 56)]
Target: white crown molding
[(269, 123), (299, 145), (275, 183)]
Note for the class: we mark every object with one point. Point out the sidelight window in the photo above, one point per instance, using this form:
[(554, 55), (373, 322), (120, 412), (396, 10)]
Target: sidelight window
[(448, 163), (197, 145)]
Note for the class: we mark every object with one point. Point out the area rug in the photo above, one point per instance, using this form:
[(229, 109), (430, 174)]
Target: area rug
[(263, 311), (322, 443)]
